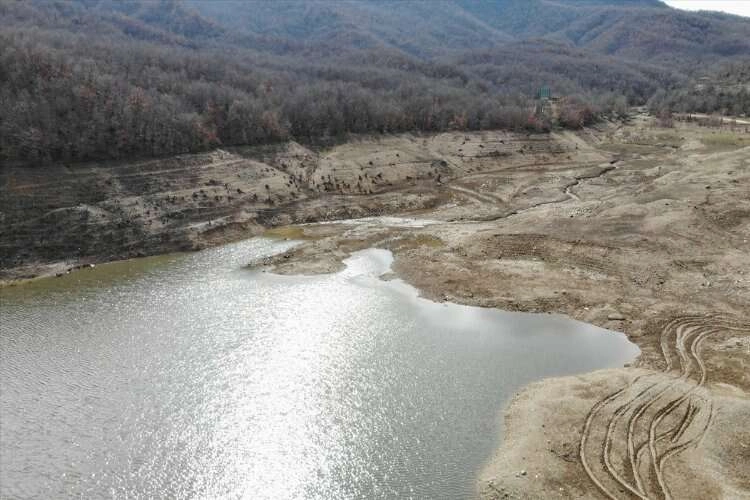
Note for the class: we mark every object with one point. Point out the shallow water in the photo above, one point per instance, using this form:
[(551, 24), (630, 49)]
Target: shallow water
[(383, 221), (187, 376)]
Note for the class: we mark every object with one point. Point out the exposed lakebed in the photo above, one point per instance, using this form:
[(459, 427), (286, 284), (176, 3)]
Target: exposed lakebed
[(190, 376)]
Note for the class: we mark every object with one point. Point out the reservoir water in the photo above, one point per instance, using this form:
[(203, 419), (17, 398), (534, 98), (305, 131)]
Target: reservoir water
[(191, 376)]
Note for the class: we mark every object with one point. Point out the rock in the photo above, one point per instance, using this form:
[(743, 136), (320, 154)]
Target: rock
[(616, 317), (523, 472)]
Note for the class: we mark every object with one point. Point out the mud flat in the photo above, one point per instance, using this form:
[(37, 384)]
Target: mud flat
[(630, 227)]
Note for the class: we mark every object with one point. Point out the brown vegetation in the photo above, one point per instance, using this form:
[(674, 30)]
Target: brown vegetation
[(83, 80)]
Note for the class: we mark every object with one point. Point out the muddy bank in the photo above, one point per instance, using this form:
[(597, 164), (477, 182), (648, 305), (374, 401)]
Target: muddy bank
[(657, 247), (58, 217)]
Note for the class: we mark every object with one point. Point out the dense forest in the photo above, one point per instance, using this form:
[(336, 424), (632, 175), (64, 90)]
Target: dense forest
[(101, 79), (725, 91)]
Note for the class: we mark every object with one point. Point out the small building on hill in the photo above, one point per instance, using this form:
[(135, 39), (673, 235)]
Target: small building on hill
[(546, 105)]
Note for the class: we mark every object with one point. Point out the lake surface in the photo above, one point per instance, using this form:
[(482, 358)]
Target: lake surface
[(189, 376)]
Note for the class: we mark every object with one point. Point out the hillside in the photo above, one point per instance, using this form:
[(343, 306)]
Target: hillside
[(93, 212), (425, 129), (100, 79), (635, 29), (725, 90)]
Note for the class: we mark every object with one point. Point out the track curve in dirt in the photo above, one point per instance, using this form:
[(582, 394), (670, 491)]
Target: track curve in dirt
[(629, 437)]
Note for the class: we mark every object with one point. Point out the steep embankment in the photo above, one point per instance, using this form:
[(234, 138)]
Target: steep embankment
[(59, 217)]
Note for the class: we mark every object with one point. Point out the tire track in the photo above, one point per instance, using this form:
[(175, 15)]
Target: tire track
[(660, 415), (482, 198)]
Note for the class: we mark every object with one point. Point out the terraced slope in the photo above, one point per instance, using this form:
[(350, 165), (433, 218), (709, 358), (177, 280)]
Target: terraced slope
[(59, 217)]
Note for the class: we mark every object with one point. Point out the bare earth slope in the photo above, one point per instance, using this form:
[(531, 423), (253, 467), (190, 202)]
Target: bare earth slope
[(647, 232), (59, 217), (630, 227)]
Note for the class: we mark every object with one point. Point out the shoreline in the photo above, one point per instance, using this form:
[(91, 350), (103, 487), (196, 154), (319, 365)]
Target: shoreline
[(558, 405), (657, 248), (387, 276)]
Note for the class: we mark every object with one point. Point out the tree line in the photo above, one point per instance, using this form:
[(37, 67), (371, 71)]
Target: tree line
[(725, 91), (79, 84)]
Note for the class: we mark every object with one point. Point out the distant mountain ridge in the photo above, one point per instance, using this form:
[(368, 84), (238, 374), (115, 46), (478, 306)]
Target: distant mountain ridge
[(645, 30), (640, 30), (106, 79)]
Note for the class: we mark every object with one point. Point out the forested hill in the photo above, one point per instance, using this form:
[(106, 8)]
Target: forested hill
[(105, 79), (725, 90), (636, 29)]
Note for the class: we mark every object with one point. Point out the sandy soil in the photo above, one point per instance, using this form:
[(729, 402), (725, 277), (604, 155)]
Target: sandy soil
[(627, 226)]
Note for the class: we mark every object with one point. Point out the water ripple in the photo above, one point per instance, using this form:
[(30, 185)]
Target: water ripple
[(188, 376)]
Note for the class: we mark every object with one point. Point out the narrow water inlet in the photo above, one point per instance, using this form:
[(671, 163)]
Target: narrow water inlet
[(189, 376)]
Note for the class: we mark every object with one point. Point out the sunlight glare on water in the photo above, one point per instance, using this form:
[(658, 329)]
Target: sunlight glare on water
[(189, 376)]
